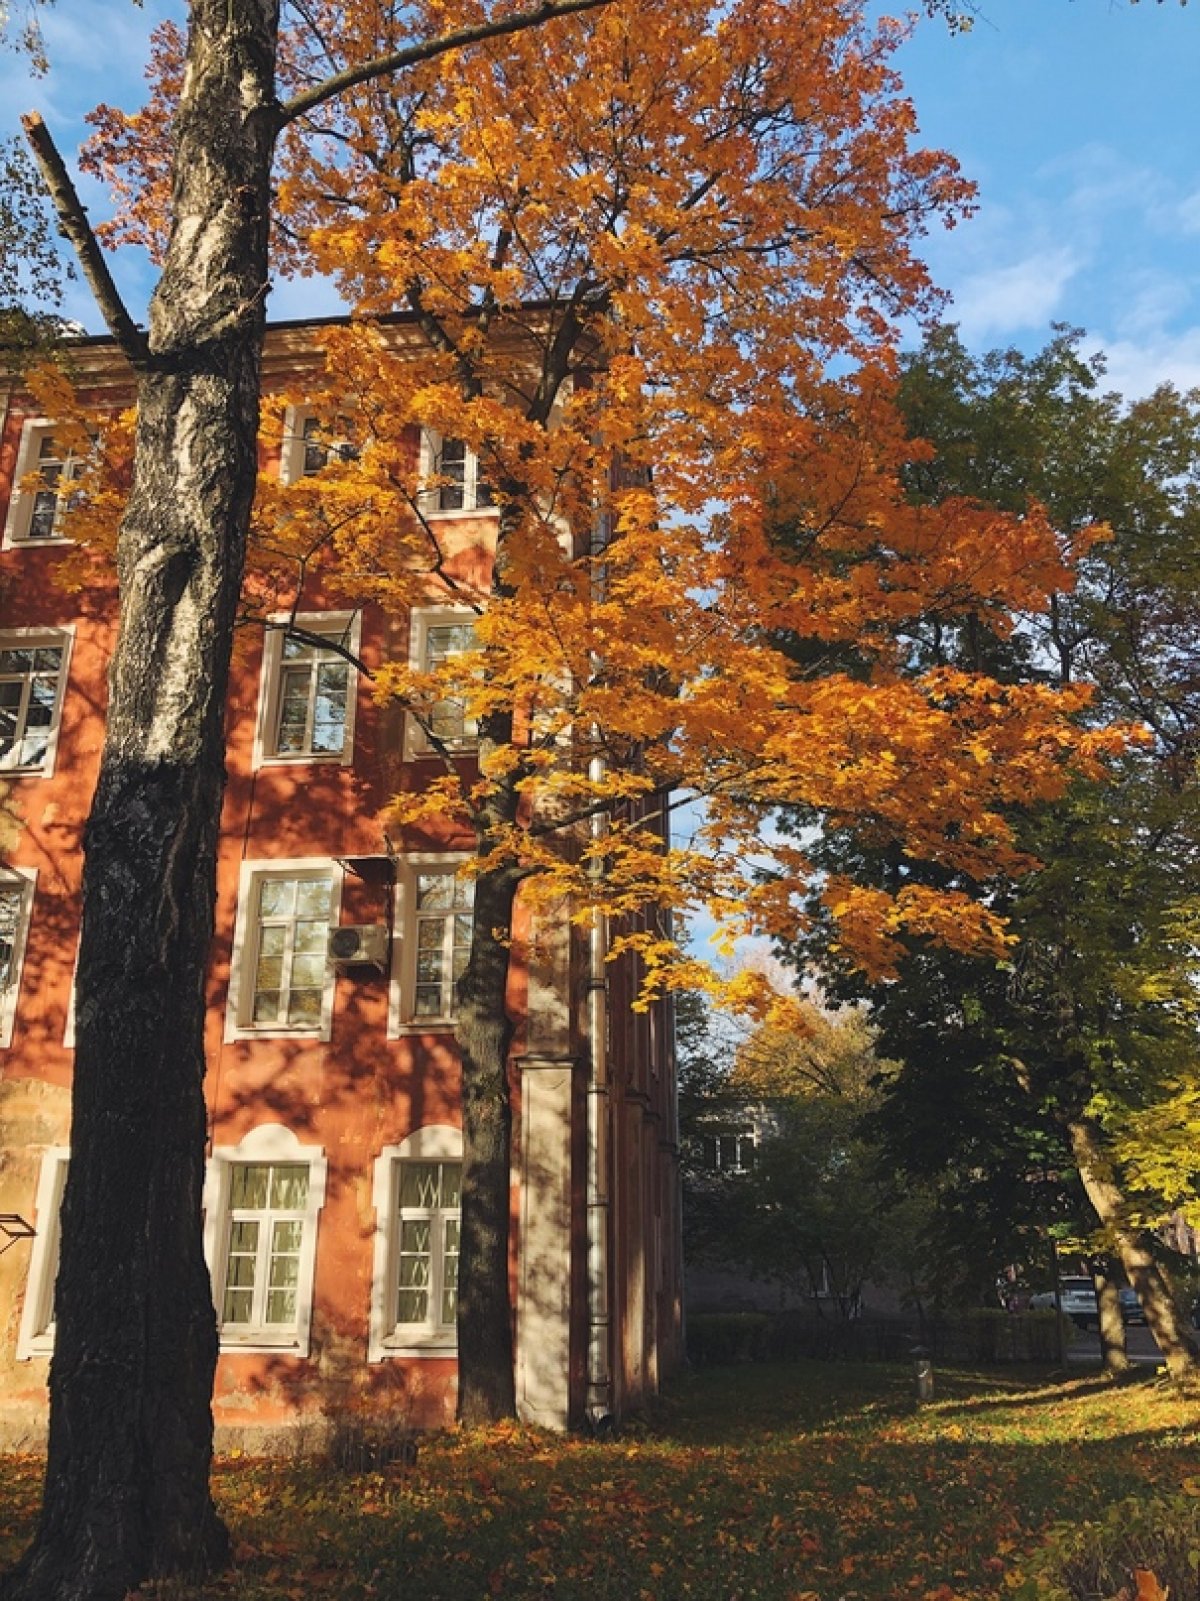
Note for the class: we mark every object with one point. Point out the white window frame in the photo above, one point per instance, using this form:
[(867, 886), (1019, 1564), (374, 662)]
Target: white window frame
[(24, 880), (402, 987), (421, 620), (267, 1144), (35, 1336), (239, 1024), (17, 524), (31, 639), (346, 627), (435, 1142), (432, 442)]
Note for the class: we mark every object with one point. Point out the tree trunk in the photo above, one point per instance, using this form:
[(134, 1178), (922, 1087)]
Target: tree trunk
[(1132, 1246), (486, 1381), (1114, 1358), (126, 1493)]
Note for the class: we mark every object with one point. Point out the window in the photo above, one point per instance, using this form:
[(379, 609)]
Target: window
[(16, 903), (459, 484), (306, 704), (730, 1151), (35, 514), (434, 638), (262, 1201), (36, 1334), (280, 980), (436, 917), (33, 670), (307, 447), (418, 1210)]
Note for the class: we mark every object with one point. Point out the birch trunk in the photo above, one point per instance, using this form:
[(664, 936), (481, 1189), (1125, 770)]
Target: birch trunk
[(126, 1492)]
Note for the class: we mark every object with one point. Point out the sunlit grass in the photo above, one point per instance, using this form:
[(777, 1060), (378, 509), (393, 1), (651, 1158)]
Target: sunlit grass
[(810, 1481)]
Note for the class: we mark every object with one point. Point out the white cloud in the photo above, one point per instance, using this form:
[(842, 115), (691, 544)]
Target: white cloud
[(1025, 294), (1187, 213), (1138, 365)]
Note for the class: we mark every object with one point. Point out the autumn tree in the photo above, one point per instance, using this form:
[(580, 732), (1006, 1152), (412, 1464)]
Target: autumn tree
[(708, 207)]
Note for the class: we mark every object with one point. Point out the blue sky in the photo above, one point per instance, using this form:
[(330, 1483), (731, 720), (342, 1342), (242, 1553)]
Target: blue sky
[(1078, 119)]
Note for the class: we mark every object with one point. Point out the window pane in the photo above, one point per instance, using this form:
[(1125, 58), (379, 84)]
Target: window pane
[(10, 907), (268, 974), (248, 1187), (281, 1306), (414, 1271), (308, 971), (429, 965), (427, 1000), (451, 1184), (237, 1306), (304, 1008), (266, 1006), (312, 897), (312, 936), (285, 1269), (435, 891), (450, 1271), (289, 1188), (411, 1305), (419, 1184), (276, 897)]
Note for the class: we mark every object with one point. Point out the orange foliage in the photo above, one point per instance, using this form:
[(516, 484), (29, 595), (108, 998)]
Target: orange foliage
[(647, 265)]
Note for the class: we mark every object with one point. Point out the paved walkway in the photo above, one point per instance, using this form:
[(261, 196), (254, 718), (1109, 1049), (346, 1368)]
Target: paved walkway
[(1139, 1342)]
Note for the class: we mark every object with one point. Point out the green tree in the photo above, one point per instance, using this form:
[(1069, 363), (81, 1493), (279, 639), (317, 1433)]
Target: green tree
[(1087, 1032)]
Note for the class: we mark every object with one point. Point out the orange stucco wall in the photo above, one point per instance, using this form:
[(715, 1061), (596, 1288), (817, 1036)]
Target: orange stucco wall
[(352, 1095)]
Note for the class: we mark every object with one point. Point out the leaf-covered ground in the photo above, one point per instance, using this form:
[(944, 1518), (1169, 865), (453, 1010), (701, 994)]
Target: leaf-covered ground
[(802, 1483)]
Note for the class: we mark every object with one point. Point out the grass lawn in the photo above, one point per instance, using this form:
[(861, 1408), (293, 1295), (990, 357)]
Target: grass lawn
[(806, 1482)]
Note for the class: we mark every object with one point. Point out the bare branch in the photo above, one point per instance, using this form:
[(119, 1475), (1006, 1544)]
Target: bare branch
[(428, 50), (73, 219)]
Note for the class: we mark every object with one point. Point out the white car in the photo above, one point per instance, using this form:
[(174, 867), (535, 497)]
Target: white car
[(1078, 1301)]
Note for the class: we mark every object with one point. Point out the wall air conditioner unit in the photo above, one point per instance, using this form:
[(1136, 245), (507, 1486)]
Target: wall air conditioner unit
[(359, 945)]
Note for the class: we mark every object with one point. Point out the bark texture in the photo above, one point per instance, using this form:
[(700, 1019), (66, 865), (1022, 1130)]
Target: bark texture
[(1114, 1358), (126, 1494), (486, 1382), (1133, 1247)]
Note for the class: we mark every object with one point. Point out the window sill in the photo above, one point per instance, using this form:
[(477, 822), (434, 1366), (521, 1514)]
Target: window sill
[(407, 1346), (261, 1341), (41, 1348), (309, 759), (425, 1025), (246, 1031), (463, 513)]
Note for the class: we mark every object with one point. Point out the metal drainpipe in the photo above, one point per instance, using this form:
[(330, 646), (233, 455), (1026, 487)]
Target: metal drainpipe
[(599, 1368), (599, 1404)]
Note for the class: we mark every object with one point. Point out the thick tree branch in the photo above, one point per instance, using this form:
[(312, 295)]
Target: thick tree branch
[(73, 220), (428, 50)]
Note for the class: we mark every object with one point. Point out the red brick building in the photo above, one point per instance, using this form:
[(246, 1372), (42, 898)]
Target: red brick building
[(331, 1205)]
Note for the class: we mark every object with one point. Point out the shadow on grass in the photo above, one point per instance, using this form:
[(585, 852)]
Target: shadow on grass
[(797, 1483)]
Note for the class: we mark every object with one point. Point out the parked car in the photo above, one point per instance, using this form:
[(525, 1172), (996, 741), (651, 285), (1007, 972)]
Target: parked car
[(1131, 1307), (1078, 1301)]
